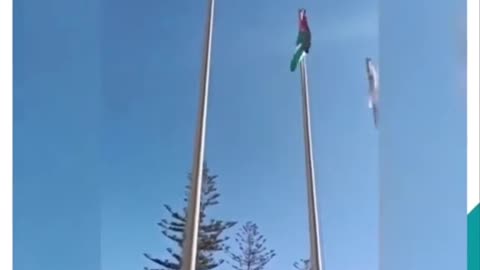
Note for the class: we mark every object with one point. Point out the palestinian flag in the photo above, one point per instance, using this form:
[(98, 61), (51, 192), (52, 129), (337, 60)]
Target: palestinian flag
[(473, 212), (304, 40)]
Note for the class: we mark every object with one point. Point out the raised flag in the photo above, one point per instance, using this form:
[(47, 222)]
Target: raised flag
[(373, 93), (304, 40)]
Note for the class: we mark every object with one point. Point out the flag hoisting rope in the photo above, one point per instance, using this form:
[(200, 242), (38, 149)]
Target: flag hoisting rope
[(189, 249), (302, 49)]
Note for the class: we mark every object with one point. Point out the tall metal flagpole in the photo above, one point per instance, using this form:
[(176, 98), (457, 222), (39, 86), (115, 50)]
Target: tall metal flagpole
[(316, 261), (189, 250)]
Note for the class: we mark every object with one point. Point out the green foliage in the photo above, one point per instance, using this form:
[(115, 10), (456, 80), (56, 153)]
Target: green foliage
[(303, 264), (211, 231), (253, 255)]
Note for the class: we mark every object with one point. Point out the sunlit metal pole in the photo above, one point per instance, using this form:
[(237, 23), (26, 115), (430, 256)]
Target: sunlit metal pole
[(316, 262), (189, 250)]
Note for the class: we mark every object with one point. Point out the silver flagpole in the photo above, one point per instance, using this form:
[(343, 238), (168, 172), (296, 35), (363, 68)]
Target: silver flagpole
[(189, 250), (315, 244)]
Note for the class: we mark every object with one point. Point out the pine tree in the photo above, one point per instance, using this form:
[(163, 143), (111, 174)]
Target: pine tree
[(210, 238), (303, 264), (253, 253)]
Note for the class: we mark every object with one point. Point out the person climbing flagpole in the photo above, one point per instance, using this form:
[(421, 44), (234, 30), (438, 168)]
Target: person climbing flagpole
[(189, 248), (303, 46)]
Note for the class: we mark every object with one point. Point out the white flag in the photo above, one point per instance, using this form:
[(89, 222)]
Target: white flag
[(373, 92)]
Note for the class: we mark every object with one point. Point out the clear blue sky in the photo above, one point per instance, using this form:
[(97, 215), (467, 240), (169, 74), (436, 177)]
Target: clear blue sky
[(104, 117), (423, 136), (55, 121)]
